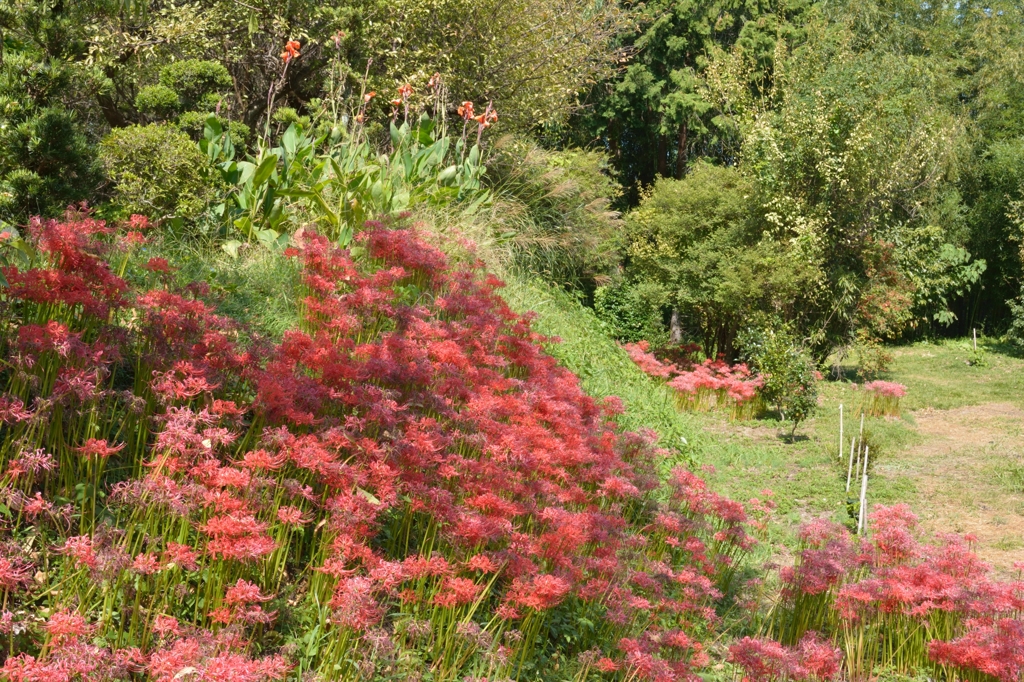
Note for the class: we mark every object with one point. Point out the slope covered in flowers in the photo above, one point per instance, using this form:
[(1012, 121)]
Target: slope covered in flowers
[(406, 485)]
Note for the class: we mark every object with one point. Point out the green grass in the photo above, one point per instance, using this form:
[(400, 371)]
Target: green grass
[(741, 459), (257, 289), (938, 374), (806, 475), (603, 367)]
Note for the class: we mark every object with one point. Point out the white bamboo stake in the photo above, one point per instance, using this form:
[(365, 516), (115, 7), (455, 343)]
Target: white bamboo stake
[(974, 333), (862, 522), (849, 469), (840, 432)]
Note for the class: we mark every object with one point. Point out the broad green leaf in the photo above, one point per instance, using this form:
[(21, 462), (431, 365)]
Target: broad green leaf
[(244, 225), (268, 237), (230, 247), (447, 176), (265, 170), (290, 140), (246, 172), (212, 129)]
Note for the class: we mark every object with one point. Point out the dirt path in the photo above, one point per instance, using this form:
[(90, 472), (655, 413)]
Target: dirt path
[(960, 472)]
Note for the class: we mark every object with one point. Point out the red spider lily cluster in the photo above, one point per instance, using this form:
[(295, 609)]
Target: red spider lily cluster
[(991, 648), (715, 382), (764, 660), (408, 470), (896, 602), (649, 364), (883, 398), (704, 386)]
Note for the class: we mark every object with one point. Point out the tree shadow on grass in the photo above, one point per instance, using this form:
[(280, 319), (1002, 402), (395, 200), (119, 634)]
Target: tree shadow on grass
[(790, 438)]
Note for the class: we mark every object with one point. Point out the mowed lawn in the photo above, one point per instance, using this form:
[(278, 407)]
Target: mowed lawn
[(955, 454)]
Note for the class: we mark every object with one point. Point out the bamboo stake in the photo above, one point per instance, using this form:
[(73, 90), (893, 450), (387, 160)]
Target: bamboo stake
[(862, 522), (849, 469), (840, 432), (974, 333)]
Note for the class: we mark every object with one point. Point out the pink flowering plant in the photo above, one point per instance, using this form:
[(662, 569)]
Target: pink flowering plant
[(882, 398), (704, 386)]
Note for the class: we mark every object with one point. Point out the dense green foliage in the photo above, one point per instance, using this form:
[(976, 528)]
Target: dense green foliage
[(873, 148), (790, 384), (157, 171)]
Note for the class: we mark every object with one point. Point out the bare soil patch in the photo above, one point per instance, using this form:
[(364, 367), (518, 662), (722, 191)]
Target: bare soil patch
[(957, 471)]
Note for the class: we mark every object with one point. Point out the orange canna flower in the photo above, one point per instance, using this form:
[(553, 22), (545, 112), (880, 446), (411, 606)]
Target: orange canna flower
[(434, 81), (291, 50), (396, 102), (405, 91), (466, 110), (368, 96), (481, 119), (337, 38)]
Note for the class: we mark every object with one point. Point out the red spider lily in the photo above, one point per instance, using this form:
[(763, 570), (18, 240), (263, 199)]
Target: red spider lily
[(292, 516), (94, 447), (146, 564), (34, 462), (157, 265), (14, 573), (81, 549), (244, 592), (182, 556), (166, 625), (457, 591), (67, 626), (291, 51), (764, 660), (38, 506), (384, 416), (994, 649)]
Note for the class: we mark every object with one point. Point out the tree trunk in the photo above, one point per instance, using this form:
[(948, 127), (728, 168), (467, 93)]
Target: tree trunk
[(681, 152), (113, 115), (613, 139), (662, 156), (675, 328)]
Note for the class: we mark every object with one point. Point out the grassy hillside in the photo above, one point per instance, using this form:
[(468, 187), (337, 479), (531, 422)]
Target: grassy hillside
[(603, 367)]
